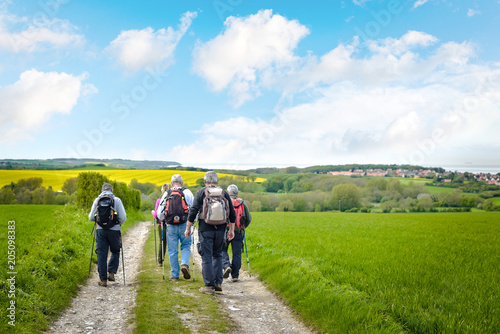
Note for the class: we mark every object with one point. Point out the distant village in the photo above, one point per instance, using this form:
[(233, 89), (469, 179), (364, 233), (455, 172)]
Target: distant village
[(445, 177)]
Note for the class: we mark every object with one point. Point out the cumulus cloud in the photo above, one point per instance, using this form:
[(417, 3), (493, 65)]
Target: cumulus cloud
[(32, 100), (389, 60), (247, 53), (408, 100), (247, 58), (135, 50), (352, 124), (23, 34)]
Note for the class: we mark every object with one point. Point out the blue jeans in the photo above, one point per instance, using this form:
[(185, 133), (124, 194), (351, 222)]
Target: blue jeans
[(237, 246), (175, 234), (107, 240), (211, 247)]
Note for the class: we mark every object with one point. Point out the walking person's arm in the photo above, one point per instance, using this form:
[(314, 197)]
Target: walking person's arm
[(247, 215), (193, 211), (92, 211), (232, 218), (120, 210)]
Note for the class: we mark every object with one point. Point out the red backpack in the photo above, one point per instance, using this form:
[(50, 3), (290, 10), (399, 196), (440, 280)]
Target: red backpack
[(176, 208), (239, 208)]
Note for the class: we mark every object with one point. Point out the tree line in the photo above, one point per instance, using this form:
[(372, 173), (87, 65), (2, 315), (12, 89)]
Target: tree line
[(319, 192), (281, 192), (81, 191)]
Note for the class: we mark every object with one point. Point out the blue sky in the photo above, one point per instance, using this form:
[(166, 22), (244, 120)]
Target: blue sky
[(240, 84)]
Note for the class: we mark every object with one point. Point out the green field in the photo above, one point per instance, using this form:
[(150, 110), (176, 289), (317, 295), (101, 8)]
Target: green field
[(369, 273), (52, 252)]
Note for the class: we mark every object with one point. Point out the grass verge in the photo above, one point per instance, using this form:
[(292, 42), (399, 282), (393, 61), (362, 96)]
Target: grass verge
[(52, 252), (163, 306)]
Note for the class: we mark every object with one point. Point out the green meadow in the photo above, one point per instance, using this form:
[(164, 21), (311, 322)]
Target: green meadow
[(52, 253), (371, 273)]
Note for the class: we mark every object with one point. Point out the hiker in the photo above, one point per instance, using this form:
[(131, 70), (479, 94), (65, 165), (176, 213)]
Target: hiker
[(161, 250), (214, 207), (109, 214), (173, 211), (243, 219)]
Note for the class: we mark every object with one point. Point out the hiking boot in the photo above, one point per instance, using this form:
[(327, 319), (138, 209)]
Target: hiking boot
[(185, 271), (111, 277), (218, 288), (234, 279), (174, 279), (227, 271), (103, 282), (209, 290)]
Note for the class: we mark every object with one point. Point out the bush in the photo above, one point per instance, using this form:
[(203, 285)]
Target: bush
[(255, 206), (346, 196), (147, 205), (90, 186), (285, 206)]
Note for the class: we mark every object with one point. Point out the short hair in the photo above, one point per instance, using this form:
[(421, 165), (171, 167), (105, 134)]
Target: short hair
[(165, 187), (232, 189), (177, 178), (211, 177), (107, 187)]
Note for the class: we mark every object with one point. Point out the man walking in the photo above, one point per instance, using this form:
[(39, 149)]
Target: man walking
[(243, 219), (214, 207), (173, 211), (109, 214)]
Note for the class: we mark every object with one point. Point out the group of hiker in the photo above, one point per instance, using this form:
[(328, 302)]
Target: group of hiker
[(222, 218)]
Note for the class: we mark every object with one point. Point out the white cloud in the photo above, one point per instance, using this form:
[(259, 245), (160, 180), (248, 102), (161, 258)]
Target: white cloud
[(138, 49), (352, 124), (399, 46), (389, 60), (32, 100), (248, 52), (22, 34), (419, 3), (472, 12), (407, 100)]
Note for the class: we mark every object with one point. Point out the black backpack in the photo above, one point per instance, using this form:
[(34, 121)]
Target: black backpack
[(176, 208), (106, 216)]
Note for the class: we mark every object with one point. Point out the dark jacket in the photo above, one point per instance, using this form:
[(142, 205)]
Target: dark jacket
[(197, 207)]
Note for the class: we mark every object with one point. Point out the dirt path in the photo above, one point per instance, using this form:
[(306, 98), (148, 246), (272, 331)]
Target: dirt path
[(107, 310), (253, 308)]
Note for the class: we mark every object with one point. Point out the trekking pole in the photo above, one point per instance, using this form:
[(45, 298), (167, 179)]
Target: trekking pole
[(192, 238), (92, 249), (154, 229), (162, 253), (123, 260), (246, 251)]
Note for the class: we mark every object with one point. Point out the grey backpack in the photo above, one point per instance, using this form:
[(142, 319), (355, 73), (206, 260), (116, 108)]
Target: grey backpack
[(215, 206)]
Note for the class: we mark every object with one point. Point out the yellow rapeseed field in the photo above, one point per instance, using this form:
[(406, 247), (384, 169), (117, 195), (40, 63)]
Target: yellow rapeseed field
[(56, 178)]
